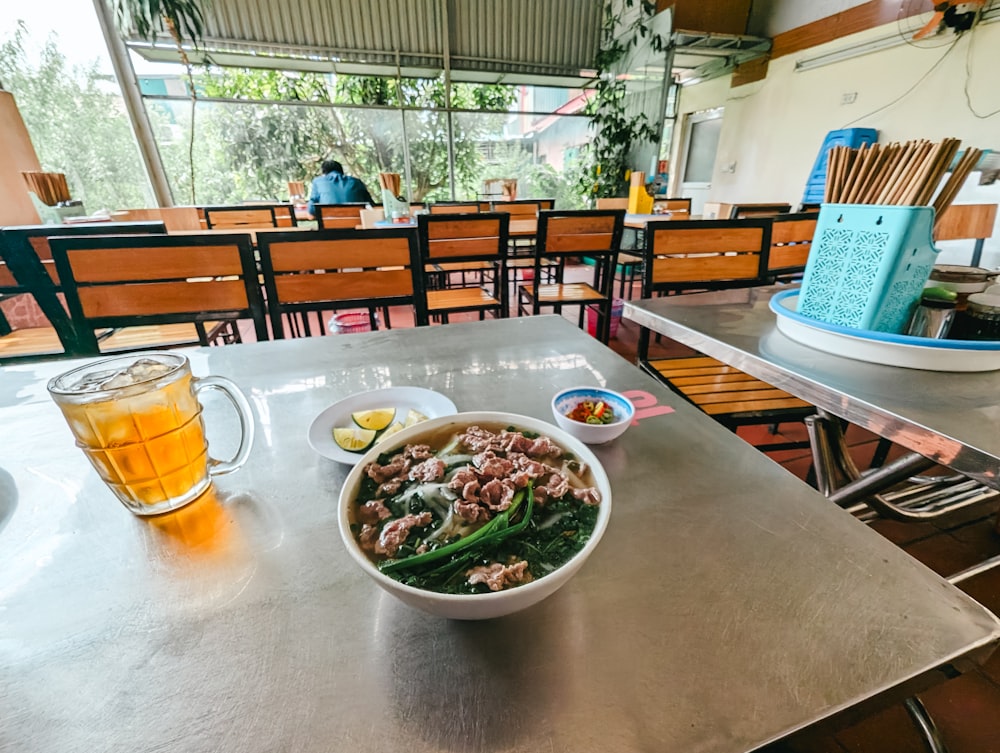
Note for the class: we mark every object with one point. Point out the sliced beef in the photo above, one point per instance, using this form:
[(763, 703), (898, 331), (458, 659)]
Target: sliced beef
[(489, 464), (368, 537), (373, 511), (498, 576), (497, 494), (471, 511), (428, 470), (396, 531)]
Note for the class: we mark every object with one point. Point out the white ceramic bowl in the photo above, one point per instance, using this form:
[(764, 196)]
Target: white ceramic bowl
[(566, 400), (487, 605)]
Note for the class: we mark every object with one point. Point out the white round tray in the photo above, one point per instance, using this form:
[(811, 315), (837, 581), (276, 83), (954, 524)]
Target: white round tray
[(906, 351)]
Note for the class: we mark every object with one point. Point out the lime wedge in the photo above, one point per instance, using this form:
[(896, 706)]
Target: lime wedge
[(389, 432), (414, 417), (353, 439), (376, 419)]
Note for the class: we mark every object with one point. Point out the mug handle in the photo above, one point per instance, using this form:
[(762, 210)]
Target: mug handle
[(239, 401)]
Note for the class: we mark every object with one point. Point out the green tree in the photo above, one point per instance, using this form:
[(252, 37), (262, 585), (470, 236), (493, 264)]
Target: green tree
[(78, 127), (273, 144), (617, 127), (537, 179)]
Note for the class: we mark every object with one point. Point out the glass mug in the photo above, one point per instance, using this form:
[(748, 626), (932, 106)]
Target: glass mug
[(138, 420)]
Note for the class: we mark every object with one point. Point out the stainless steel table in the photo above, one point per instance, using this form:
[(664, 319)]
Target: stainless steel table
[(949, 417), (727, 606)]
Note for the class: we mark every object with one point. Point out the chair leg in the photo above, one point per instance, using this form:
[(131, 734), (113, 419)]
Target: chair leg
[(925, 725), (881, 453)]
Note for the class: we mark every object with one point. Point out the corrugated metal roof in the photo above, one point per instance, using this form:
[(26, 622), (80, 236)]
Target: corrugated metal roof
[(514, 39)]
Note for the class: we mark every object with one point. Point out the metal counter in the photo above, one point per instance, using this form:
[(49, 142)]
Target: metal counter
[(727, 605), (953, 418)]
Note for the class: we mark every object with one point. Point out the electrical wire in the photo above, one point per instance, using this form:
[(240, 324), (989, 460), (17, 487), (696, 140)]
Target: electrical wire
[(907, 29), (968, 80), (910, 90)]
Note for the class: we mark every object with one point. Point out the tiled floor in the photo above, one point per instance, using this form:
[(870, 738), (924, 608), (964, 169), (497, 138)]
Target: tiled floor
[(966, 709)]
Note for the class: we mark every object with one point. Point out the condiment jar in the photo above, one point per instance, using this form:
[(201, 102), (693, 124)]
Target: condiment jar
[(963, 280), (932, 317), (980, 320)]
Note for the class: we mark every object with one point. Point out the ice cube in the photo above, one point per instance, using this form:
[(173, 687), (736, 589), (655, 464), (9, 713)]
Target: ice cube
[(108, 379), (92, 381)]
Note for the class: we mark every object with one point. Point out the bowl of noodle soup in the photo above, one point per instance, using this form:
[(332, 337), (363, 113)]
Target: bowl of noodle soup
[(475, 515)]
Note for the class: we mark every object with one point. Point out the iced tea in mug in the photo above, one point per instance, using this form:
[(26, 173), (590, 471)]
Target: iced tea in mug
[(139, 422)]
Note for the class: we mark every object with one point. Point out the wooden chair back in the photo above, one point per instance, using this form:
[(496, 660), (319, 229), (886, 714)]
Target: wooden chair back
[(688, 255), (120, 281), (296, 190), (176, 219), (576, 234), (333, 270), (519, 208), (612, 203), (791, 242), (27, 268), (339, 216), (967, 222), (453, 207), (750, 211), (463, 237), (243, 217)]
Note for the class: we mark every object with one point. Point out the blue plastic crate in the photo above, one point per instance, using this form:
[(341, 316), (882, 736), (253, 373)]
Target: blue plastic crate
[(852, 137), (868, 265)]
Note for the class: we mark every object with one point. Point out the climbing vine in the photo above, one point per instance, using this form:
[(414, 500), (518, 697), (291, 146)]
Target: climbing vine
[(616, 131)]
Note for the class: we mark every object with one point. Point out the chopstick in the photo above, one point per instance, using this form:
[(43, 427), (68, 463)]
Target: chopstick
[(907, 174), (951, 188)]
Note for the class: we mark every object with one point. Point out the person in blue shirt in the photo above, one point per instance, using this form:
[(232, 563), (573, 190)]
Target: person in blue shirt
[(333, 187)]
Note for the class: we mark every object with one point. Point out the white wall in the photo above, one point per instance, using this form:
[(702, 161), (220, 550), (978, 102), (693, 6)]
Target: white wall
[(773, 129)]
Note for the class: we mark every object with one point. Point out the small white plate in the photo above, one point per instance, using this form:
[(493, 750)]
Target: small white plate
[(884, 348), (432, 404)]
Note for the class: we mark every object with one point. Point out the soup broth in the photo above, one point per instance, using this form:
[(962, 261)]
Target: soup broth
[(474, 509)]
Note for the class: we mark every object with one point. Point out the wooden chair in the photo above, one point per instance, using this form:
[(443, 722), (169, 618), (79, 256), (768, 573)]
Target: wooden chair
[(158, 282), (791, 241), (750, 211), (449, 242), (591, 235), (242, 217), (967, 222), (28, 270), (691, 256), (306, 275), (296, 190), (339, 216), (453, 207)]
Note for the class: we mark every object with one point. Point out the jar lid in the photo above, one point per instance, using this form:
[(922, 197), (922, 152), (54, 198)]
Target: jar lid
[(958, 273), (986, 303)]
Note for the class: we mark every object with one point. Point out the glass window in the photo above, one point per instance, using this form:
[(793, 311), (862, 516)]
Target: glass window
[(73, 109)]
